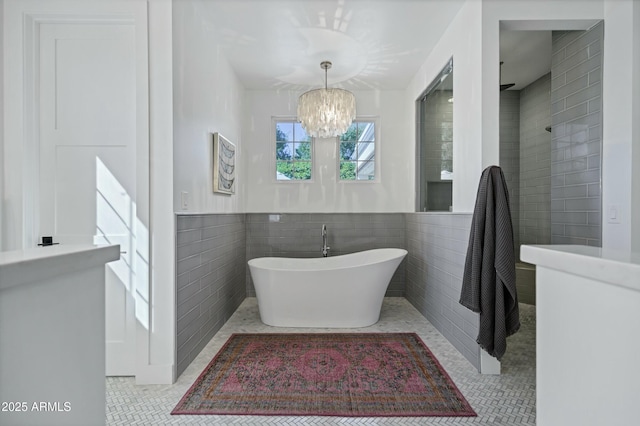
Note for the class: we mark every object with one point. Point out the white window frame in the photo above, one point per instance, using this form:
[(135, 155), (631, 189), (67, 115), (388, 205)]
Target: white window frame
[(274, 168), (376, 144)]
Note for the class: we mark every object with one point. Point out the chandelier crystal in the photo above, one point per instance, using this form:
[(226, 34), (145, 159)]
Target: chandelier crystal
[(326, 113)]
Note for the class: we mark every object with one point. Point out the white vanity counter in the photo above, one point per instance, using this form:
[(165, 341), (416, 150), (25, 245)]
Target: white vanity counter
[(609, 266), (34, 264), (52, 335), (587, 334)]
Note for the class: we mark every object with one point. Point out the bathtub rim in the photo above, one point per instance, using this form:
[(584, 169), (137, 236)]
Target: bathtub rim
[(330, 262)]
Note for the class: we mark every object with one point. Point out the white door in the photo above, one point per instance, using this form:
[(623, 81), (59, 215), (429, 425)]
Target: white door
[(87, 191)]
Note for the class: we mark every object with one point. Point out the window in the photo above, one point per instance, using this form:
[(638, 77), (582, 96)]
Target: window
[(357, 149), (293, 151)]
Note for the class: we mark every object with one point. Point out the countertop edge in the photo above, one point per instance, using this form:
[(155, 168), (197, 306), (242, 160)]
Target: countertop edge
[(31, 265), (589, 262)]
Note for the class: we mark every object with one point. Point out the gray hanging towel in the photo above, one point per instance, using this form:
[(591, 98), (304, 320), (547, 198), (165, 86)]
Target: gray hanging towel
[(489, 281)]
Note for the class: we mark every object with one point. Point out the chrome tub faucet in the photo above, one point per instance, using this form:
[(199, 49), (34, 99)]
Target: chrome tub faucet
[(325, 247)]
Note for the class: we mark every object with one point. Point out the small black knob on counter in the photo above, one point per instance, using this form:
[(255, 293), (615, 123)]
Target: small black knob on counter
[(47, 241)]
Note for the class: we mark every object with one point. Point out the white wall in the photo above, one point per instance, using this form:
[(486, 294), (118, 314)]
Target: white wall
[(392, 193), (156, 344), (620, 174), (635, 190), (1, 123), (462, 41), (207, 98), (12, 197)]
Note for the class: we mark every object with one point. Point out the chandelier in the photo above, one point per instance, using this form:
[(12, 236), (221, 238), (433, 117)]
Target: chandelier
[(326, 112)]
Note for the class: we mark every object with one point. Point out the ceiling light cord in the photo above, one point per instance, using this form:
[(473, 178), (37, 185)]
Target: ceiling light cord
[(325, 65)]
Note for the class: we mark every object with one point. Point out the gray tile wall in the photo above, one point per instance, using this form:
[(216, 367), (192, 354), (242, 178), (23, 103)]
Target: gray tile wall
[(213, 279), (535, 163), (437, 245), (510, 153), (210, 282), (299, 235), (576, 100)]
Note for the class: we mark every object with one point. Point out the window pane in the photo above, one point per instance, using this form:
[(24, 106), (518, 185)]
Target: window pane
[(284, 131), (293, 151), (366, 151), (357, 152), (302, 170), (284, 170), (366, 131), (302, 151), (347, 170), (351, 134), (299, 133), (284, 150), (347, 150), (366, 170)]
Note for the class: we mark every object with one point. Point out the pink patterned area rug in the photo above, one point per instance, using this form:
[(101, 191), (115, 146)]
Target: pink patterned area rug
[(337, 374)]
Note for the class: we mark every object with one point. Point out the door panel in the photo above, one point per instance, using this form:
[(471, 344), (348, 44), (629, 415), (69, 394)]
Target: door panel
[(88, 156)]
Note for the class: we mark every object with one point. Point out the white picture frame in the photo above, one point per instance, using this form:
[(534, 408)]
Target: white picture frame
[(224, 165)]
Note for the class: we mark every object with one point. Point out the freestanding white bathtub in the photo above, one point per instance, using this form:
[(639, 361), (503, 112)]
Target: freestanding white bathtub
[(330, 292)]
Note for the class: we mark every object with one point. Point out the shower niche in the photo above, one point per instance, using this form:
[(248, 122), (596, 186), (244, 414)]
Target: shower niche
[(434, 144)]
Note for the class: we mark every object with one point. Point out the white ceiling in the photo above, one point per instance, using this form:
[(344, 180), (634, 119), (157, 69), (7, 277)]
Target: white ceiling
[(373, 44), (526, 56)]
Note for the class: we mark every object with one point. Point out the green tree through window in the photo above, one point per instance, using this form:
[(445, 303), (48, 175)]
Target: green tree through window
[(293, 151)]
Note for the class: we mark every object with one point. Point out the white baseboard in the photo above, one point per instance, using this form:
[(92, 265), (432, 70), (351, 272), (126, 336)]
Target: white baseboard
[(488, 364), (155, 374)]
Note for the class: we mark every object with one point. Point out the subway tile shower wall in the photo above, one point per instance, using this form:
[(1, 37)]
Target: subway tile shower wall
[(210, 282), (437, 245), (576, 145), (299, 235), (535, 163), (510, 153)]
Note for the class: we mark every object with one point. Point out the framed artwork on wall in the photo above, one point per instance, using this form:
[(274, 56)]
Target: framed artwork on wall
[(224, 165)]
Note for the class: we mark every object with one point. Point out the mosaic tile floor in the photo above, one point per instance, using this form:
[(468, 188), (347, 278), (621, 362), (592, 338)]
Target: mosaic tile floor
[(507, 399)]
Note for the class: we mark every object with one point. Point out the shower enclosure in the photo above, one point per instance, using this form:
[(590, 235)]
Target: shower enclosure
[(550, 150), (434, 110)]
